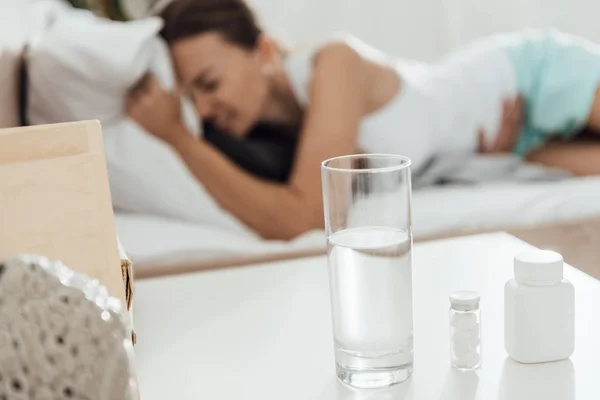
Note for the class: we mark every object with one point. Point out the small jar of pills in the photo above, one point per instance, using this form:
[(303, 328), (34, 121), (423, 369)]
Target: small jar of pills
[(465, 330)]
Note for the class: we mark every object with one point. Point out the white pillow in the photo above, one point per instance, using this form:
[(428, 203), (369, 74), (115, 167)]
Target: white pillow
[(82, 68)]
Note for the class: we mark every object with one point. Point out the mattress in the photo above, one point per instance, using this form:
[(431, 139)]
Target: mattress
[(160, 246)]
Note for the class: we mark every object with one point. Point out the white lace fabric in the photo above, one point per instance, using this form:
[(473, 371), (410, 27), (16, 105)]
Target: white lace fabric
[(61, 335)]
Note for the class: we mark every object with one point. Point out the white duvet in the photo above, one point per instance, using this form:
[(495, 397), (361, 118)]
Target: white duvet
[(157, 243)]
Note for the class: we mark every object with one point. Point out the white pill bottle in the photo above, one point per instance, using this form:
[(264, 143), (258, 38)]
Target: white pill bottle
[(465, 330), (539, 309)]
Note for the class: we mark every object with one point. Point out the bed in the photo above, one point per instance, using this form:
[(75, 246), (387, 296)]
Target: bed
[(159, 245)]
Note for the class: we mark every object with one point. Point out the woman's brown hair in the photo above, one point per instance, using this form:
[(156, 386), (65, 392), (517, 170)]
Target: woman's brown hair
[(234, 20)]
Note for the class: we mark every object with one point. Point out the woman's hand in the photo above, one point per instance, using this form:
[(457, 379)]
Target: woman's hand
[(156, 110), (510, 129)]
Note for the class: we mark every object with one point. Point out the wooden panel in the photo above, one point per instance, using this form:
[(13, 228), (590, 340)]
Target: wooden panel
[(9, 112), (42, 142), (59, 206)]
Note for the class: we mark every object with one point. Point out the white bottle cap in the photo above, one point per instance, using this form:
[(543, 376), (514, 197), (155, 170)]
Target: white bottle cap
[(538, 266), (465, 300)]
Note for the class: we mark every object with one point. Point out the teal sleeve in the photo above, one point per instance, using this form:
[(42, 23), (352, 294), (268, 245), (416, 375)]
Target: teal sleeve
[(529, 140), (557, 75)]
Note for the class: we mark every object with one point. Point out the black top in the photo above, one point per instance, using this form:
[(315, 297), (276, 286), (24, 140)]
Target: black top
[(267, 152)]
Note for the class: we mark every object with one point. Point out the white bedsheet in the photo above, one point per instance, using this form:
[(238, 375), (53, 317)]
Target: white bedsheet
[(157, 244), (154, 243)]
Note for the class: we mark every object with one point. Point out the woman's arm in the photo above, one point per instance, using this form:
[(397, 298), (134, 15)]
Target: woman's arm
[(337, 104), (511, 124), (581, 158)]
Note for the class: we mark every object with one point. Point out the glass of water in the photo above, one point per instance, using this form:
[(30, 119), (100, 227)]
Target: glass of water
[(367, 203)]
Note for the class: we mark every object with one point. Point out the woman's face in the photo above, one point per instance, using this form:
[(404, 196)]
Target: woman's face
[(225, 81)]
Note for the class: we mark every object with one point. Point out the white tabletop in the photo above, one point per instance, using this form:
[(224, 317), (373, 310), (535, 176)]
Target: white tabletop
[(264, 332)]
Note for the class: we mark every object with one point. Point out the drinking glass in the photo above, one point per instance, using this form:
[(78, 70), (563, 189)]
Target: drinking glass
[(367, 204)]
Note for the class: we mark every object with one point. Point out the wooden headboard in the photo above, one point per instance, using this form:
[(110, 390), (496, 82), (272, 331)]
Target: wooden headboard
[(10, 68)]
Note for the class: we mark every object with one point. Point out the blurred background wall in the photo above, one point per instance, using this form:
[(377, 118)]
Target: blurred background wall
[(423, 29)]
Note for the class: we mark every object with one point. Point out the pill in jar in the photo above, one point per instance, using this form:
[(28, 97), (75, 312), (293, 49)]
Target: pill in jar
[(465, 330)]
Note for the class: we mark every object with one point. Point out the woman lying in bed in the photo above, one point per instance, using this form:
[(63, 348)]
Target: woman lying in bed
[(346, 97)]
